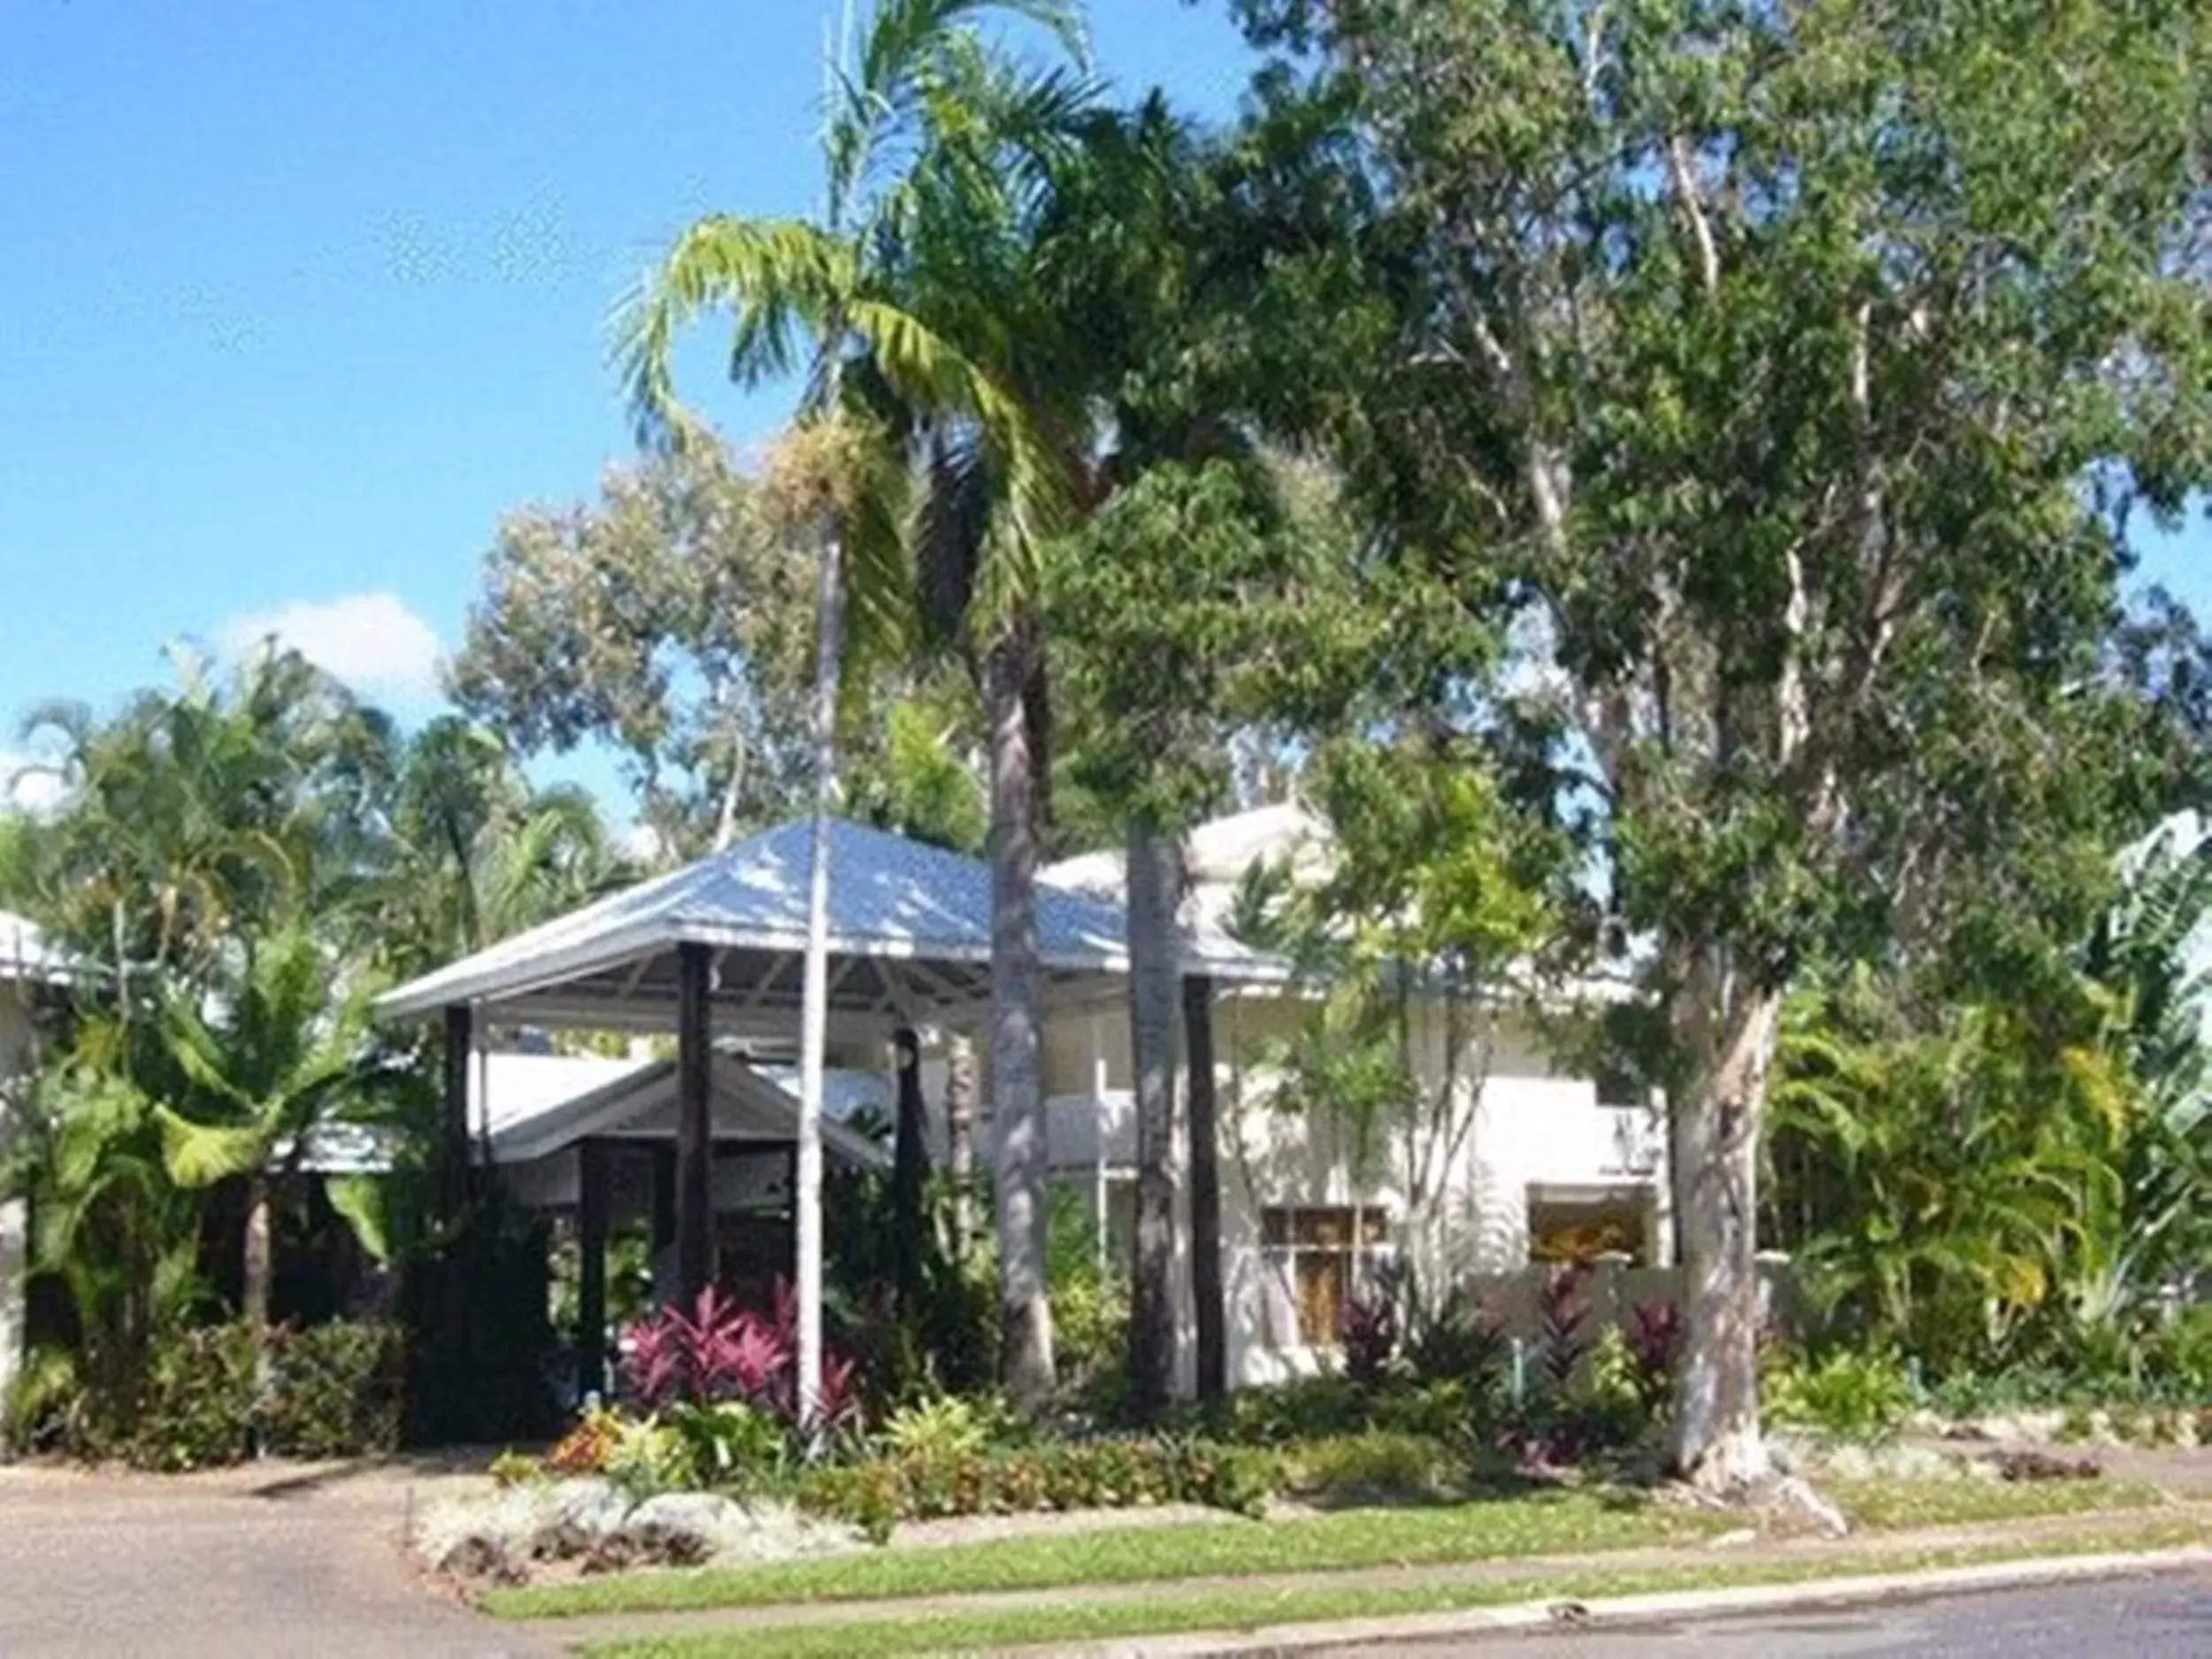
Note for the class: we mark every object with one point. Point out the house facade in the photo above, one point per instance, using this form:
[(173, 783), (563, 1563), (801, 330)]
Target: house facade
[(28, 966), (1525, 1161)]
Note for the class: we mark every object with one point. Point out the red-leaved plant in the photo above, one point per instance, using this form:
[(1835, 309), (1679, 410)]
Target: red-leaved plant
[(1654, 1341), (719, 1350)]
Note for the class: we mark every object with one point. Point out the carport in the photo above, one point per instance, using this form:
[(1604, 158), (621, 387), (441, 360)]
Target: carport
[(713, 952)]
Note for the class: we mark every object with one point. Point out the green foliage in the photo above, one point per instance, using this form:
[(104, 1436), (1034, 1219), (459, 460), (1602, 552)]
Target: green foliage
[(646, 1456), (669, 619), (331, 1391), (201, 1400), (1782, 387), (1379, 1466), (337, 1390), (1846, 1395), (947, 1426), (731, 1446), (1106, 1473), (2009, 1186)]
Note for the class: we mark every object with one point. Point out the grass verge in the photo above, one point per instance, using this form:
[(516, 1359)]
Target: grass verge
[(1555, 1522), (1082, 1622)]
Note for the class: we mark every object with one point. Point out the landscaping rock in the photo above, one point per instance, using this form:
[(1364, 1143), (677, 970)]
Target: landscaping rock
[(588, 1506)]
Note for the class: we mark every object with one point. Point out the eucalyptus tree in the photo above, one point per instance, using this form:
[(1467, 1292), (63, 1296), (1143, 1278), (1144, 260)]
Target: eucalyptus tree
[(840, 299), (1787, 374), (666, 619)]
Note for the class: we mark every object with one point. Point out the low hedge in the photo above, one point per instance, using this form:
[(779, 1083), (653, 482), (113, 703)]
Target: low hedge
[(1106, 1473), (334, 1390)]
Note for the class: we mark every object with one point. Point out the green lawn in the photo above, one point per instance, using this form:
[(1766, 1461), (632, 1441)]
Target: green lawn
[(1234, 1609), (1497, 1529)]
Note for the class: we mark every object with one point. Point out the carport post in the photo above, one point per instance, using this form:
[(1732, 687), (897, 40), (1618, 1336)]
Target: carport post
[(454, 1138), (591, 1267), (695, 1172)]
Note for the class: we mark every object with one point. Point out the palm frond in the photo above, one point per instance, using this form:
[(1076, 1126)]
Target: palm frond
[(779, 278)]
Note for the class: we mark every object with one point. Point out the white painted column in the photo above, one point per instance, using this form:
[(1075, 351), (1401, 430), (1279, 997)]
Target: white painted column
[(1095, 1041)]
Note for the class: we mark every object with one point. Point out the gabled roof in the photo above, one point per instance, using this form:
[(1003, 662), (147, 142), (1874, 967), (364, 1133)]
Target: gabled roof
[(744, 1104), (892, 902), (532, 1105)]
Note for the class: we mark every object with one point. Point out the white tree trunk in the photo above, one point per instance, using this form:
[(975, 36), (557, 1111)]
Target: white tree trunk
[(960, 1137), (1016, 1069), (1154, 879), (1715, 1144), (806, 1201)]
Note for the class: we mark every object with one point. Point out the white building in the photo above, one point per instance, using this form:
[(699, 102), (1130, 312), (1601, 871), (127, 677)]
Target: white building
[(1530, 1154), (1527, 1156), (28, 965)]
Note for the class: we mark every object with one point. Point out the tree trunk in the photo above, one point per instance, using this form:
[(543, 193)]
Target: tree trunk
[(960, 1137), (806, 1203), (256, 1274), (1208, 1303), (254, 1294), (1153, 881), (909, 1170), (1729, 1042), (1016, 1073)]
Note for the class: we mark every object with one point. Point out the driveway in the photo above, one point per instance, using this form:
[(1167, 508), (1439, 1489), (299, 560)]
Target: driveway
[(274, 1561)]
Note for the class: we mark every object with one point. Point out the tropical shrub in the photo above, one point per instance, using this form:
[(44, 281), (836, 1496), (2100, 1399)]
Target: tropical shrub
[(336, 1389), (646, 1456), (199, 1404), (1370, 1334), (1849, 1396), (729, 1445), (1457, 1339), (1654, 1335), (718, 1350), (950, 1425), (1380, 1464), (585, 1449), (1106, 1473), (1303, 1410), (1563, 1325)]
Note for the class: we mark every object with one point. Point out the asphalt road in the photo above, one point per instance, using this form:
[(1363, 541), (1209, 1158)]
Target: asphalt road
[(2164, 1618), (216, 1567)]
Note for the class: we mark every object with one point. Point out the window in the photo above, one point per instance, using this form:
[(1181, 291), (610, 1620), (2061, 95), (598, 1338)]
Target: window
[(1323, 1257)]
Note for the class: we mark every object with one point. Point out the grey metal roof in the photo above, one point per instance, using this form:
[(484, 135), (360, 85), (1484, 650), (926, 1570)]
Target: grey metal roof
[(911, 924), (745, 1105)]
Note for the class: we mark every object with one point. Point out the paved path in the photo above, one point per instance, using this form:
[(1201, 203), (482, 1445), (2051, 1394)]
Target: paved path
[(2142, 1619), (251, 1563)]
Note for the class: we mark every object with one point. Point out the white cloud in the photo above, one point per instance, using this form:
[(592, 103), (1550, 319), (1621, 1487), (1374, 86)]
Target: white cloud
[(373, 642), (27, 783)]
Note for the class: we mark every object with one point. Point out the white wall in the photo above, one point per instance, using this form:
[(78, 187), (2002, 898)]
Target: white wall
[(15, 1047), (1530, 1127)]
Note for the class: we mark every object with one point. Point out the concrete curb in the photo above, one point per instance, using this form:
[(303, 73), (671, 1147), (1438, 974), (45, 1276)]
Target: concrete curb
[(1653, 1607)]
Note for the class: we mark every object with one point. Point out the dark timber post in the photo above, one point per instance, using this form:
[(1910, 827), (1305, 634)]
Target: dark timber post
[(1205, 1188), (591, 1262), (909, 1169), (695, 1154), (454, 1151)]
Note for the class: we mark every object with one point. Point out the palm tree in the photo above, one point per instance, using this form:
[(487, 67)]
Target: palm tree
[(882, 375), (273, 1059), (476, 854)]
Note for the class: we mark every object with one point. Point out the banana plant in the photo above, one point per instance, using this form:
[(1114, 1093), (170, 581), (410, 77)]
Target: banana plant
[(273, 1059)]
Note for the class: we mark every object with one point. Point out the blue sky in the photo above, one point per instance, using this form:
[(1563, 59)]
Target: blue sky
[(300, 297)]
